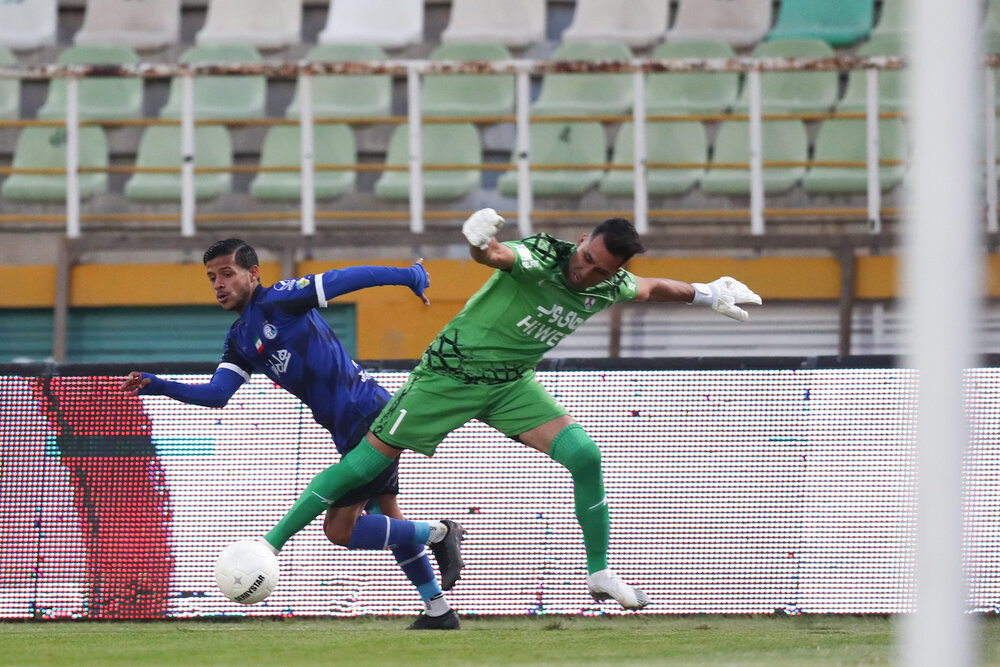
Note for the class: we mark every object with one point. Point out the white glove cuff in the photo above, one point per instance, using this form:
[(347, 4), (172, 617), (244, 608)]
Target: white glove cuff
[(704, 295)]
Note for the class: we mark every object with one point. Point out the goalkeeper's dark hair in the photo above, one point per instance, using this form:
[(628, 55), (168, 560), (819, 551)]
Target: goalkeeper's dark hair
[(243, 252), (620, 237)]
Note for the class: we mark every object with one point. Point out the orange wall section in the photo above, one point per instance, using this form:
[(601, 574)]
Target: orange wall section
[(27, 286)]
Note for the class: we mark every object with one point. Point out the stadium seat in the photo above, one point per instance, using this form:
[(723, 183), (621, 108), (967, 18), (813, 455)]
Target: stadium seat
[(784, 140), (349, 95), (794, 92), (28, 24), (101, 98), (366, 21), (442, 144), (740, 23), (839, 23), (892, 21), (665, 142), (586, 94), (991, 21), (468, 94), (578, 143), (332, 145), (265, 24), (140, 25), (220, 96), (514, 23), (638, 23), (891, 95), (160, 147), (844, 140), (10, 89), (45, 148), (694, 92)]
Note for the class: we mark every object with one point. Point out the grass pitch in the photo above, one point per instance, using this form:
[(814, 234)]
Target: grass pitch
[(546, 640)]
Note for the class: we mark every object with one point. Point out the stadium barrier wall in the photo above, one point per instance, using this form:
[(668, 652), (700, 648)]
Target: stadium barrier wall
[(735, 486)]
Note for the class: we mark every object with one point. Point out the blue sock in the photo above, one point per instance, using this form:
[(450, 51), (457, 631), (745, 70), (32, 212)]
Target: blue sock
[(413, 561), (377, 531)]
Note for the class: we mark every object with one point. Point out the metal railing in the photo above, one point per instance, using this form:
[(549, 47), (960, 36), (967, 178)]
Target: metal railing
[(414, 70)]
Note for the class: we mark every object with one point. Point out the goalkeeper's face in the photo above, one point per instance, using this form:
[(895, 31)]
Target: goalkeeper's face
[(232, 284), (591, 263)]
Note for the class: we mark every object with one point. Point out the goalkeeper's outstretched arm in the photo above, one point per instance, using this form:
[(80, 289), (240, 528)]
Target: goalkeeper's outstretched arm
[(721, 295)]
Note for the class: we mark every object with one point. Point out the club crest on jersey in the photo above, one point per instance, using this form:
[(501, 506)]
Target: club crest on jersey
[(279, 361), (588, 303), (283, 285), (259, 344), (302, 283), (270, 331)]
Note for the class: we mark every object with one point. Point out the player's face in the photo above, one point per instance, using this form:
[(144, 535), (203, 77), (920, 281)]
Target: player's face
[(591, 263), (233, 285)]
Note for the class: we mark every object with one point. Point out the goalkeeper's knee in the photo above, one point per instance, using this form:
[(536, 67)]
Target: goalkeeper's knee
[(575, 450)]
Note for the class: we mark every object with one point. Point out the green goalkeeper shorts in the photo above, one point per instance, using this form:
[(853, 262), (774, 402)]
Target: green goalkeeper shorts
[(430, 406)]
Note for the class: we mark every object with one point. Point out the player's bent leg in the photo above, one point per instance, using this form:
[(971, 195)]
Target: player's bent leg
[(339, 523), (358, 466), (575, 450)]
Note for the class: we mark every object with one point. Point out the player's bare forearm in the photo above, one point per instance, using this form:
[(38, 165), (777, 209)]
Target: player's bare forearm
[(495, 255), (664, 290)]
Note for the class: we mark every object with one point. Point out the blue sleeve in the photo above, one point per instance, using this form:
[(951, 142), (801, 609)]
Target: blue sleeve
[(215, 394), (298, 296)]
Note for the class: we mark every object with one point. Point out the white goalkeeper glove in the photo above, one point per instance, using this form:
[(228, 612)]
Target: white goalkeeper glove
[(722, 295), (481, 227)]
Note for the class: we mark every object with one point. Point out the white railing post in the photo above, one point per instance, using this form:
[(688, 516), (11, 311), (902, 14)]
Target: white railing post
[(416, 150), (990, 141), (640, 194), (307, 157), (873, 153), (756, 154), (72, 157), (187, 154), (524, 194)]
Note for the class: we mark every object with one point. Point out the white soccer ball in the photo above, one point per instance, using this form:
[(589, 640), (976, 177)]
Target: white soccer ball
[(246, 572)]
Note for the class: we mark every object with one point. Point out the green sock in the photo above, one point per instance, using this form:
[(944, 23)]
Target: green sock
[(574, 449), (360, 465)]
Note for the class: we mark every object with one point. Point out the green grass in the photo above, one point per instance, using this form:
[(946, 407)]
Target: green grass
[(549, 640)]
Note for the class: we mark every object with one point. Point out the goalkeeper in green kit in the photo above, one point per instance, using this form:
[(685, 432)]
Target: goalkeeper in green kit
[(481, 365)]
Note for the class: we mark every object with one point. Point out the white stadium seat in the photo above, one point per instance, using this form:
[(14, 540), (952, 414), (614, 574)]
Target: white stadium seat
[(140, 25), (740, 23), (391, 24), (265, 24), (638, 23), (29, 24), (514, 23)]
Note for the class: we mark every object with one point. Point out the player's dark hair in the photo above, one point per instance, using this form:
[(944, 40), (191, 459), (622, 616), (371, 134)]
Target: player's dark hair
[(243, 252), (620, 237)]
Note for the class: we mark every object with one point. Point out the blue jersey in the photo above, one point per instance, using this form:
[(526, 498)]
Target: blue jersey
[(281, 335)]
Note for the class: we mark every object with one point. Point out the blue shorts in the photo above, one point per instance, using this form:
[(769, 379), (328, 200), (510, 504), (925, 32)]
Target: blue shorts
[(387, 482)]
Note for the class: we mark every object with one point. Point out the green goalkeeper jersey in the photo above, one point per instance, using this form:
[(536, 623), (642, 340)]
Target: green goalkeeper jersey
[(520, 314)]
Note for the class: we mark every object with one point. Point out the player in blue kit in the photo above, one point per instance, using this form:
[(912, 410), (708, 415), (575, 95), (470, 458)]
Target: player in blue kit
[(280, 334)]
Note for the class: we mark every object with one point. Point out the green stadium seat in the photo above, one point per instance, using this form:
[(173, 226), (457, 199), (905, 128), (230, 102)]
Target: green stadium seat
[(101, 98), (586, 94), (891, 96), (348, 95), (794, 92), (843, 140), (332, 145), (473, 95), (10, 89), (694, 92), (991, 22), (892, 20), (45, 148), (784, 140), (447, 143), (665, 142), (220, 96), (160, 147), (578, 143), (839, 23)]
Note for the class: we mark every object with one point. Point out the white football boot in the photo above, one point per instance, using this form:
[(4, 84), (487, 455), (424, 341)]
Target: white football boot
[(606, 584)]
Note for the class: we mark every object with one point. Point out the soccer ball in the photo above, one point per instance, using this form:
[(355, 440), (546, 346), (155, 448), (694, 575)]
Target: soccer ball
[(246, 572)]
